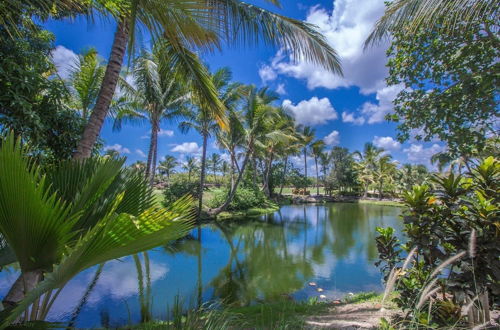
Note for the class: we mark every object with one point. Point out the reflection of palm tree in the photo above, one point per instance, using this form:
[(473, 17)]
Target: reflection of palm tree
[(144, 290)]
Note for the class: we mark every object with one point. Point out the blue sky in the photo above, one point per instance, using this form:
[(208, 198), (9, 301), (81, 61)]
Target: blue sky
[(345, 111)]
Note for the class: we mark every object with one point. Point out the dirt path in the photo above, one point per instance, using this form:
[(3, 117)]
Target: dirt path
[(364, 315)]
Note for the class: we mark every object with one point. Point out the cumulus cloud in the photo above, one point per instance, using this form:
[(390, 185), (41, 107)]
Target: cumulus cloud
[(351, 118), (345, 28), (332, 139), (166, 132), (140, 153), (375, 113), (117, 147), (267, 73), (313, 112), (187, 148), (281, 89), (419, 154), (64, 59), (386, 142)]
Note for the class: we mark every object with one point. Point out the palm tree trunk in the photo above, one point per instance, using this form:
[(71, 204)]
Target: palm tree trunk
[(155, 157), (232, 172), (254, 164), (317, 175), (305, 165), (109, 82), (152, 143), (202, 175), (283, 176), (267, 191), (232, 192), (26, 282)]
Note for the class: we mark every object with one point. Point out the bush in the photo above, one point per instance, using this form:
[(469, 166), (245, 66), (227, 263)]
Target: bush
[(454, 226), (244, 199), (180, 188)]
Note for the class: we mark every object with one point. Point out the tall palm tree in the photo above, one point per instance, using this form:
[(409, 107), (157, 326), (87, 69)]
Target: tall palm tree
[(203, 24), (190, 166), (160, 93), (384, 172), (257, 114), (214, 163), (85, 81), (367, 165), (204, 121), (167, 166), (454, 16), (317, 149), (307, 133)]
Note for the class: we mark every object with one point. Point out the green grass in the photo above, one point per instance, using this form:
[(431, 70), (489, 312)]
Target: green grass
[(253, 212), (279, 315), (383, 203)]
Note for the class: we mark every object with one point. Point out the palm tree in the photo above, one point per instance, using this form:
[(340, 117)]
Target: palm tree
[(203, 25), (454, 16), (167, 167), (156, 96), (85, 81), (190, 166), (62, 220), (367, 165), (214, 163), (317, 149), (307, 134), (257, 113), (384, 172), (139, 166), (204, 121)]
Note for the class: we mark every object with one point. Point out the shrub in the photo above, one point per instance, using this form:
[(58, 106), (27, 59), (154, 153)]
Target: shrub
[(244, 199), (180, 188), (455, 225)]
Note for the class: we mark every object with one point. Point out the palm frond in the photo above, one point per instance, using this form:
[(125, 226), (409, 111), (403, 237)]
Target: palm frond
[(454, 16)]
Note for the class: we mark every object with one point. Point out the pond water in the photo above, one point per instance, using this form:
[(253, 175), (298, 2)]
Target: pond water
[(239, 262)]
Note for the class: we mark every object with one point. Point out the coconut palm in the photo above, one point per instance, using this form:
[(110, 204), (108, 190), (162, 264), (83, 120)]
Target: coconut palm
[(161, 92), (204, 121), (367, 164), (317, 149), (190, 166), (85, 81), (65, 219), (453, 16), (204, 25), (307, 136), (214, 163), (384, 172), (257, 114), (167, 166)]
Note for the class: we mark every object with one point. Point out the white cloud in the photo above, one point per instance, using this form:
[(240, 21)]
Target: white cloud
[(140, 153), (386, 142), (345, 28), (418, 154), (375, 113), (166, 132), (332, 139), (117, 147), (313, 112), (267, 73), (64, 59), (281, 89), (187, 148), (351, 118)]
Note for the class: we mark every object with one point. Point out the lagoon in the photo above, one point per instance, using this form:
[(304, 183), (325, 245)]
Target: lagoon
[(237, 262)]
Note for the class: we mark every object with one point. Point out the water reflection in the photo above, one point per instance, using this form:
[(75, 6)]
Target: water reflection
[(238, 262)]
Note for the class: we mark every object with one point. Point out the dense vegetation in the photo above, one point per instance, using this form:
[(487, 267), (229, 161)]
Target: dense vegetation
[(67, 205)]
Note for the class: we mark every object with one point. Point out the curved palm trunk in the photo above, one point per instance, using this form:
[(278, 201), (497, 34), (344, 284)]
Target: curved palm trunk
[(232, 192), (317, 175), (109, 82), (202, 175), (283, 176), (267, 175), (305, 165)]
